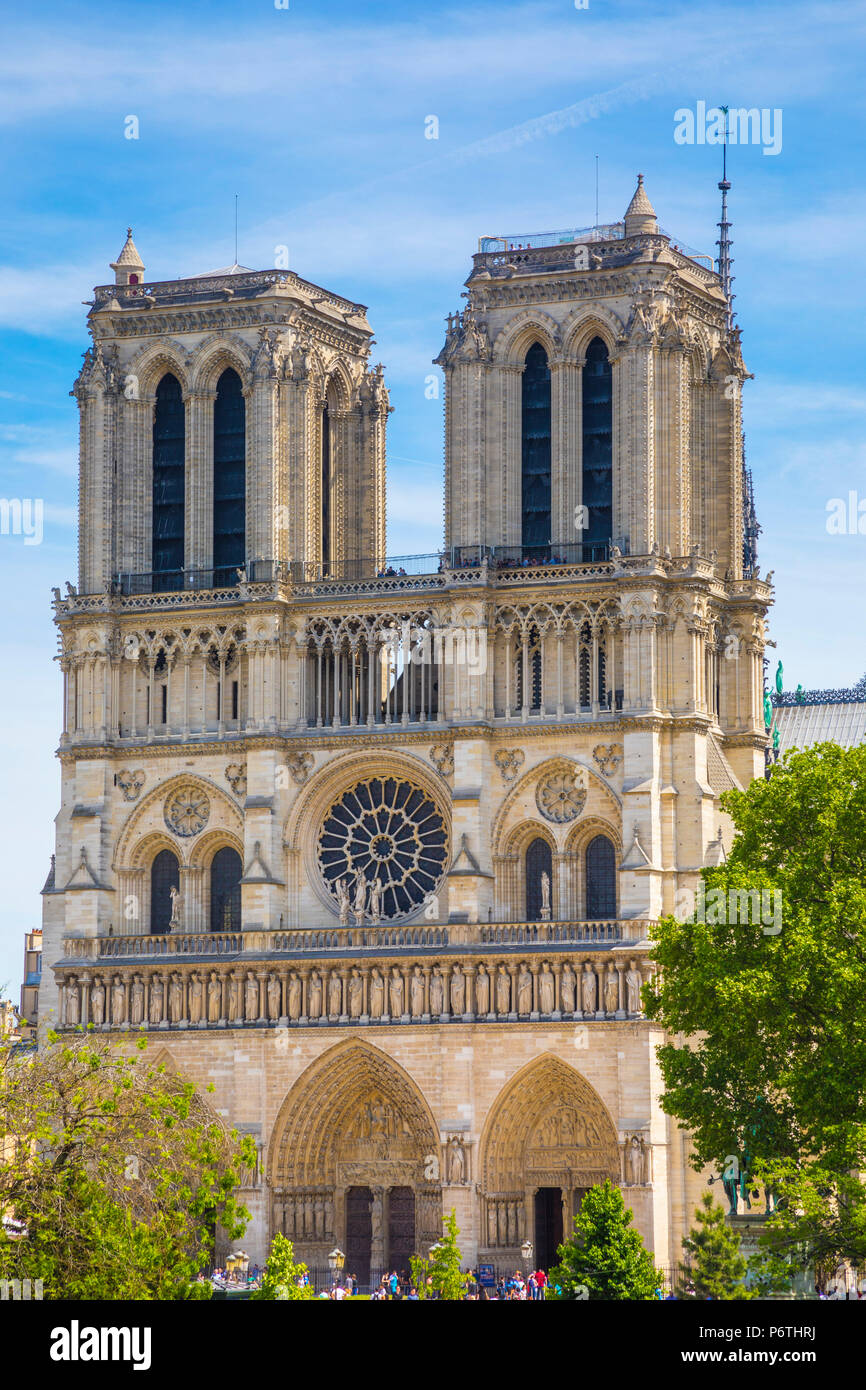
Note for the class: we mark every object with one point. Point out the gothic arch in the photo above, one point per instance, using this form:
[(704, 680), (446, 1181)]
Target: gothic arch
[(150, 365), (547, 1126), (522, 330), (320, 1109), (205, 846), (338, 387), (213, 356), (584, 324)]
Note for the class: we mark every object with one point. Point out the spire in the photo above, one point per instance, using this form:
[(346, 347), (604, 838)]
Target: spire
[(129, 267), (724, 242), (640, 214)]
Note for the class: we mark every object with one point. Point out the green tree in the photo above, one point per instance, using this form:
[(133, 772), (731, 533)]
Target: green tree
[(714, 1266), (118, 1171), (603, 1258), (442, 1266), (281, 1277), (767, 1019)]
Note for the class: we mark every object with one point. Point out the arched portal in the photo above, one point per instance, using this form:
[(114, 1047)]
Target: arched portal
[(548, 1138), (355, 1160), (164, 875)]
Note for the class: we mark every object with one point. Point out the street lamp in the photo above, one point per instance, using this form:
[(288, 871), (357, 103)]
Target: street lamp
[(336, 1261), (526, 1252)]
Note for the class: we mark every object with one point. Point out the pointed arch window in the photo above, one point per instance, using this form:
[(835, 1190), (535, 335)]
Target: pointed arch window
[(226, 872), (539, 860), (164, 875), (229, 478), (326, 490), (597, 468), (535, 455), (169, 443), (600, 879)]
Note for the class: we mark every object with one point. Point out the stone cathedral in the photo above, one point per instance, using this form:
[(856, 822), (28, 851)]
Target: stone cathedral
[(378, 852)]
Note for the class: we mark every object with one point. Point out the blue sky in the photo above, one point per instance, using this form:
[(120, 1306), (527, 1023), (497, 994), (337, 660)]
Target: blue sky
[(315, 116)]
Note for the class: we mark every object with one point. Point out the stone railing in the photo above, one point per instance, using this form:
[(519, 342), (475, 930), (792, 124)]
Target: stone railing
[(539, 981), (314, 941)]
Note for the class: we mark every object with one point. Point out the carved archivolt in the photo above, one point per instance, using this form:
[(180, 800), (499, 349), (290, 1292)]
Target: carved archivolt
[(350, 1118), (549, 1127), (147, 822), (599, 799)]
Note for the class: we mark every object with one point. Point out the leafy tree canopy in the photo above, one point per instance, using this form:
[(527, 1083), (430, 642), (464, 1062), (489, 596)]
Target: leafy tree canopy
[(714, 1265), (768, 1016), (116, 1170), (282, 1276)]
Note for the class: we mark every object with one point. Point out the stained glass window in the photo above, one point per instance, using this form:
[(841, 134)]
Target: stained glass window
[(226, 872), (600, 879)]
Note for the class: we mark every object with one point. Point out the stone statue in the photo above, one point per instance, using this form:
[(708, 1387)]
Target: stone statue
[(294, 1002), (156, 997), (458, 991), (73, 1002), (234, 1005), (335, 995), (176, 919), (588, 989), (360, 898), (377, 994), (456, 1161), (320, 1218), (377, 1216), (611, 991), (416, 992), (175, 998), (491, 1224), (214, 1005), (546, 990), (314, 996), (566, 990), (395, 992), (437, 993), (635, 1160), (97, 1002), (341, 888), (545, 896), (118, 1011), (482, 991), (524, 990), (251, 997), (136, 1008), (356, 994), (274, 993), (196, 998), (633, 983), (374, 906), (503, 991)]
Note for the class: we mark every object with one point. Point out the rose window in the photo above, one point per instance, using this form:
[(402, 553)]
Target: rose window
[(560, 797), (388, 830), (187, 811)]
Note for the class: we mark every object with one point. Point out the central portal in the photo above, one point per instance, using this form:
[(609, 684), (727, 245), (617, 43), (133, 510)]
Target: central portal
[(548, 1226)]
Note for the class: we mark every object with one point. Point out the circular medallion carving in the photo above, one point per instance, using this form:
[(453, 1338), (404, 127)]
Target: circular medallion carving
[(388, 830), (560, 797), (187, 811)]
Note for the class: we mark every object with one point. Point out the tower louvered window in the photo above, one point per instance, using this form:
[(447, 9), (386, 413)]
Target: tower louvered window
[(597, 472), (229, 479), (168, 486), (535, 454)]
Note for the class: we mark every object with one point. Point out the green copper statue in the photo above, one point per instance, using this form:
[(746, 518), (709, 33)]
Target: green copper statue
[(779, 676), (776, 739), (768, 710)]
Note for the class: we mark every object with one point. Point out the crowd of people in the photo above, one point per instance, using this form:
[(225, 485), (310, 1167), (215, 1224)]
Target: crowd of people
[(479, 1287)]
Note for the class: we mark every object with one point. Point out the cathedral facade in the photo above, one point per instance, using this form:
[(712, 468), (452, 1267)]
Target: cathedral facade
[(378, 853)]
